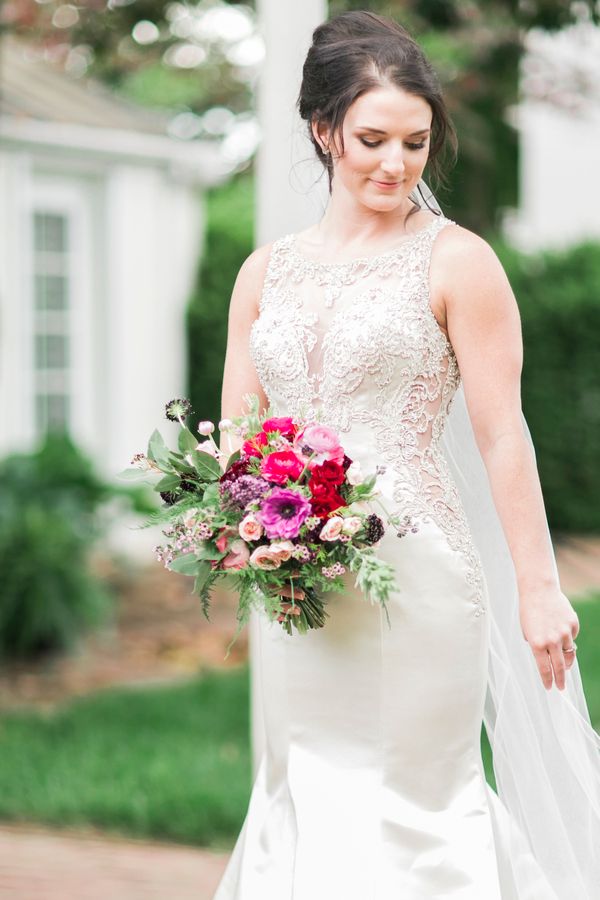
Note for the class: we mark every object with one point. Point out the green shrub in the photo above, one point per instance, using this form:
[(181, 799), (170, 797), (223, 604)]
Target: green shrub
[(229, 240), (49, 505), (558, 293)]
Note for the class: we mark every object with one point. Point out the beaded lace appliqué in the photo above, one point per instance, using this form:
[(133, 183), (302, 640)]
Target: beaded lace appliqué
[(384, 362)]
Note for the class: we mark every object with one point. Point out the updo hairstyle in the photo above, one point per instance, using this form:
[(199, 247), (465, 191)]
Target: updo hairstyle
[(356, 52)]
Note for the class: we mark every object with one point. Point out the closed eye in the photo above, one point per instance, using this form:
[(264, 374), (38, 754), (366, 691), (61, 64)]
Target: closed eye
[(410, 146)]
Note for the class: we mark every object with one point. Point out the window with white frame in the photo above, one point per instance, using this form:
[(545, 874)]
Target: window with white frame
[(51, 320)]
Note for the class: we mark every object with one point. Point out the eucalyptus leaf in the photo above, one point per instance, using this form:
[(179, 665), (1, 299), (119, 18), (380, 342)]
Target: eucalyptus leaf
[(186, 441), (203, 573), (206, 465), (208, 552), (233, 458), (168, 483), (180, 465), (185, 565), (158, 450), (133, 475)]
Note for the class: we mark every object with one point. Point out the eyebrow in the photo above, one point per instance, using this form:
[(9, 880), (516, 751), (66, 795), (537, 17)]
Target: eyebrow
[(379, 131)]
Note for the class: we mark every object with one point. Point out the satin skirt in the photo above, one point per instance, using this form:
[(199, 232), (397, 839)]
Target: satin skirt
[(372, 785)]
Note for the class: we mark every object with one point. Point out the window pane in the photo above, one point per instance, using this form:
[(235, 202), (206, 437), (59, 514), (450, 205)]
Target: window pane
[(51, 351), (50, 232), (51, 292), (52, 412)]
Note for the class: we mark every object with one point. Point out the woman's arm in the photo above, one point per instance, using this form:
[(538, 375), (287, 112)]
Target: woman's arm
[(239, 374), (484, 328)]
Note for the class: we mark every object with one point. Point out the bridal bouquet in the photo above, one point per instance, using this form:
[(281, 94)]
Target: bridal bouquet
[(288, 508)]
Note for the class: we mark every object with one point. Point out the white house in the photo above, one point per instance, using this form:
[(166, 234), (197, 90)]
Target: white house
[(101, 221)]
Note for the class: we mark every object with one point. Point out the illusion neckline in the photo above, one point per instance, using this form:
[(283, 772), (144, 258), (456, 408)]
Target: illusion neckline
[(358, 260)]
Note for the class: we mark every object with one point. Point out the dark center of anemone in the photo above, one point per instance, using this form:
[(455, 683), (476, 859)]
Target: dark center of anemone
[(287, 510)]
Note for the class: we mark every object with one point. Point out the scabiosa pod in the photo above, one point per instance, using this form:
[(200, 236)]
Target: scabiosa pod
[(177, 410)]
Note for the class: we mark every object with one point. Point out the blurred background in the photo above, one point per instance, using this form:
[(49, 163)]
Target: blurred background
[(146, 147)]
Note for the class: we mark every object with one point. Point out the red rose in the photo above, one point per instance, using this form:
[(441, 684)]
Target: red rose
[(252, 446), (283, 424), (325, 499), (281, 466), (329, 471)]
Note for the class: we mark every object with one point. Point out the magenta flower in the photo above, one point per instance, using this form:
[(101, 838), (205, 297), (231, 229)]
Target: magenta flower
[(283, 512)]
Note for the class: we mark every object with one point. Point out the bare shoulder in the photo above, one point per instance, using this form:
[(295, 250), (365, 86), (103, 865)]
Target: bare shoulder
[(464, 251), (249, 281), (254, 267), (464, 261)]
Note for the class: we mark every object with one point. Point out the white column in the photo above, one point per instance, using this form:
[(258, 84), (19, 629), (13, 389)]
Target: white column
[(286, 164), (153, 232), (287, 170), (16, 303)]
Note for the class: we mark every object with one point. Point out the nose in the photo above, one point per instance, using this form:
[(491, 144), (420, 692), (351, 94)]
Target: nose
[(393, 164)]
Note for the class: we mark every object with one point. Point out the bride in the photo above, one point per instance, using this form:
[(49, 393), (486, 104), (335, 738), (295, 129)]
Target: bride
[(398, 327)]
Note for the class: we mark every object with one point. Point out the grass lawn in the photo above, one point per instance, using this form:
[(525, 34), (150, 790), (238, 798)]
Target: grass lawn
[(165, 762)]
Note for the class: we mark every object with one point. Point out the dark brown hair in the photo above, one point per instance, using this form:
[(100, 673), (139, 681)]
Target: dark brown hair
[(356, 52)]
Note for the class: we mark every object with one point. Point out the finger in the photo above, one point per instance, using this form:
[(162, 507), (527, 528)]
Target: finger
[(557, 658), (544, 666), (569, 660), (287, 592)]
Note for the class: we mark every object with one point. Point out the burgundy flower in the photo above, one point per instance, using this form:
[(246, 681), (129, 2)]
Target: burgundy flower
[(325, 498), (235, 470), (328, 471)]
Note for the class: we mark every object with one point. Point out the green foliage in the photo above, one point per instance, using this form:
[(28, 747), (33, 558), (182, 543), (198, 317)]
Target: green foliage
[(558, 293), (49, 505), (163, 762), (229, 240)]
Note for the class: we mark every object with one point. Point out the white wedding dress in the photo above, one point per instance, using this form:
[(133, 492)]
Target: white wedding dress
[(372, 785)]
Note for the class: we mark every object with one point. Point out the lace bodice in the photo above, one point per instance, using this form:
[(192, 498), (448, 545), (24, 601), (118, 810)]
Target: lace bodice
[(357, 346)]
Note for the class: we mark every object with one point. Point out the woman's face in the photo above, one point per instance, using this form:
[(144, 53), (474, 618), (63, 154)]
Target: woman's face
[(386, 144)]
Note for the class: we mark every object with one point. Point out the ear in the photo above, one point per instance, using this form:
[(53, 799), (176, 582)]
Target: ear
[(321, 134)]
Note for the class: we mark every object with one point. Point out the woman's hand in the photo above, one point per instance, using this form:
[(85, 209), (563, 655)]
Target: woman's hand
[(550, 625), (286, 591)]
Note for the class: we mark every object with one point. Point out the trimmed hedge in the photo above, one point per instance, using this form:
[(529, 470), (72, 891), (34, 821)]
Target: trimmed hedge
[(558, 293)]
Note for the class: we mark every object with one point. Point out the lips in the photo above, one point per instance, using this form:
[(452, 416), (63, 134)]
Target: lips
[(385, 183)]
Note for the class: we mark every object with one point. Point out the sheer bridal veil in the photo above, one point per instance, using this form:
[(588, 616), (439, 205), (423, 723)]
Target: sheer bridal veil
[(546, 754)]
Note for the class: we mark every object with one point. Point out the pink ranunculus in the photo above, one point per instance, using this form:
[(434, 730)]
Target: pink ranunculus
[(283, 424), (250, 528), (332, 529), (352, 524), (281, 466), (282, 549), (262, 558), (323, 441), (223, 539), (238, 556)]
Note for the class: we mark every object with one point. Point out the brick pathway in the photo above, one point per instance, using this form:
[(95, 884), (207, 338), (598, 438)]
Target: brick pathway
[(36, 864)]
